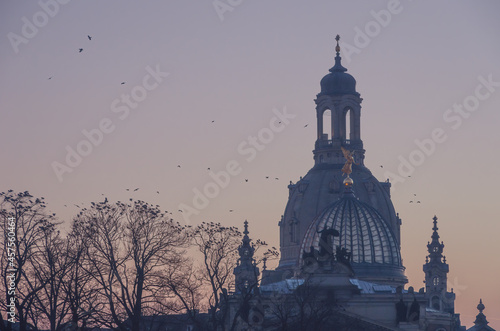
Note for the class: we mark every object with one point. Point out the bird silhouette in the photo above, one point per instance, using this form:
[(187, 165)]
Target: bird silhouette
[(276, 178), (213, 121), (208, 168), (230, 210), (418, 201), (180, 210), (246, 180), (127, 189), (137, 189), (90, 38), (80, 50), (122, 83), (381, 166), (158, 192), (411, 201), (305, 126), (49, 78), (267, 177), (178, 166), (77, 206)]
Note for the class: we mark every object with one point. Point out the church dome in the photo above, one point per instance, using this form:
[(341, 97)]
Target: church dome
[(365, 234), (338, 82)]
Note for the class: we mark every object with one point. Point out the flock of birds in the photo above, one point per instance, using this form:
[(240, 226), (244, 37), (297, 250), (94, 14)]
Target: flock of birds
[(411, 201), (80, 50)]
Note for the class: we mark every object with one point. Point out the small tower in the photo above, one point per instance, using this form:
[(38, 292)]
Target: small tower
[(246, 272), (338, 99), (481, 324), (436, 275)]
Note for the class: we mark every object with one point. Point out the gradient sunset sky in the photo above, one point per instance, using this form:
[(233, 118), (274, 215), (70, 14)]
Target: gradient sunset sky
[(200, 80)]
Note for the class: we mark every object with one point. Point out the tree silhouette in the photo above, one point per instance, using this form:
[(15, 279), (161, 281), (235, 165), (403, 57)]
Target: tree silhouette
[(25, 219), (129, 244)]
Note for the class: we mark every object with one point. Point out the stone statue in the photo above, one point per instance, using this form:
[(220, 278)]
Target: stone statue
[(326, 241), (401, 310), (347, 168)]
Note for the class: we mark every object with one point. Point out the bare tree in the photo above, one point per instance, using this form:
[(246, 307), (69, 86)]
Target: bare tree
[(49, 266), (80, 287), (218, 246), (129, 245), (24, 222)]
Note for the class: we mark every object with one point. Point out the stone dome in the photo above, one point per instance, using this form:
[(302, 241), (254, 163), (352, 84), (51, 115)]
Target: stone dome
[(338, 82), (363, 232)]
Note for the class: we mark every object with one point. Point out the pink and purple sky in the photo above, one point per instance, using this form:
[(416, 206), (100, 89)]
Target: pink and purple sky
[(201, 80)]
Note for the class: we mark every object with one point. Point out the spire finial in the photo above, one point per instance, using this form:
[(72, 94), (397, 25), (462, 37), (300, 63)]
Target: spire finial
[(337, 67), (435, 228), (337, 48), (480, 306), (480, 318), (246, 228)]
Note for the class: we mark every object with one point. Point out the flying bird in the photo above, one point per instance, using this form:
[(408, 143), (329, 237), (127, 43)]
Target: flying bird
[(49, 78), (137, 189), (276, 178), (381, 166), (158, 192), (305, 126), (267, 177), (127, 189), (122, 83), (178, 166), (213, 121), (80, 50), (77, 206), (411, 201), (418, 201), (90, 38), (208, 168), (180, 210), (246, 180), (230, 210)]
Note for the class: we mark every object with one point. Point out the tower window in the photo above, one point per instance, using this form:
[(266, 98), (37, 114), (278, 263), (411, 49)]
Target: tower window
[(327, 124), (347, 124), (435, 281)]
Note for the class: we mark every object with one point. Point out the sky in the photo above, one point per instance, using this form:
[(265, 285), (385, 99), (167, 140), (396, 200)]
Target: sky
[(164, 90)]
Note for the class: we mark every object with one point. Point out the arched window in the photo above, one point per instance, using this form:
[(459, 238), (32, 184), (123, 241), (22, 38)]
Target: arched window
[(327, 125), (435, 281), (348, 124), (435, 303)]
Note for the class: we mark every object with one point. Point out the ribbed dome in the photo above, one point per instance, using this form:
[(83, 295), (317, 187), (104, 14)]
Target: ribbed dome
[(338, 82), (364, 233)]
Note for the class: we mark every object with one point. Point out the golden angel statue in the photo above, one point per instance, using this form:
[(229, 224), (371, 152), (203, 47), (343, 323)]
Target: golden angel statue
[(347, 168)]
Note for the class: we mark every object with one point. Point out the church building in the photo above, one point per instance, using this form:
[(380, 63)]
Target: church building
[(340, 266)]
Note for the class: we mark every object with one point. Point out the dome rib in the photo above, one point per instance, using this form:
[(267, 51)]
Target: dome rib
[(363, 231)]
